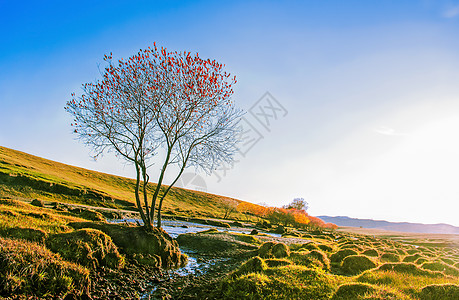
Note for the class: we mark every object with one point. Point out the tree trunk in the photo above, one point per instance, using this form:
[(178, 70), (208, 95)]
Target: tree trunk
[(146, 223)]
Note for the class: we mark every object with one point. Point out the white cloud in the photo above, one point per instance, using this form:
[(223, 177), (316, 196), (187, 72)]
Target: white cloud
[(388, 131), (451, 12)]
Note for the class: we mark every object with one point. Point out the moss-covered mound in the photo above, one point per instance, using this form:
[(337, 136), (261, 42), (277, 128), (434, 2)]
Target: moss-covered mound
[(355, 264), (215, 243), (31, 269), (89, 247), (155, 247), (439, 292), (338, 256)]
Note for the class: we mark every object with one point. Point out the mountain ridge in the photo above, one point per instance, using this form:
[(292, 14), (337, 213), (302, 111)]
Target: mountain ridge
[(392, 226)]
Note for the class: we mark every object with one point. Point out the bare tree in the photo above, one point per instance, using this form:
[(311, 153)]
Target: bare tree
[(297, 203), (159, 100), (229, 206)]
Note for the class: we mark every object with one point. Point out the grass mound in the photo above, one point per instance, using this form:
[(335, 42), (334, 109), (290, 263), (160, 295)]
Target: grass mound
[(371, 252), (421, 260), (273, 249), (280, 250), (310, 246), (277, 262), (89, 247), (412, 258), (154, 248), (29, 234), (254, 265), (441, 267), (390, 257), (287, 282), (325, 248), (320, 256), (352, 291), (303, 258), (358, 291), (338, 256), (31, 269), (89, 214), (408, 268), (355, 264), (440, 292)]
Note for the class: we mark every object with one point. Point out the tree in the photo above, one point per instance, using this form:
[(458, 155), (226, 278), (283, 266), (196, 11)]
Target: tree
[(229, 206), (298, 204), (159, 100)]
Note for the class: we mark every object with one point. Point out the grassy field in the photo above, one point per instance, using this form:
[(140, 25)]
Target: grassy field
[(26, 176), (347, 265), (55, 250)]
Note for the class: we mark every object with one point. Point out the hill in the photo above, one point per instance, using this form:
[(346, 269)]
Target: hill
[(27, 176), (392, 226)]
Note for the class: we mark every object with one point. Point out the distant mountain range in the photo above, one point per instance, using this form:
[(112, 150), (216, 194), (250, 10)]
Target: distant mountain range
[(392, 226)]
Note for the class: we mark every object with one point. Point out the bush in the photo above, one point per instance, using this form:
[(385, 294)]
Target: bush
[(390, 257), (338, 256), (371, 252), (355, 264), (439, 292), (89, 247), (31, 269)]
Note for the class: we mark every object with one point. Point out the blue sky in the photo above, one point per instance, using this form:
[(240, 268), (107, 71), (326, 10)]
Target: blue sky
[(371, 90)]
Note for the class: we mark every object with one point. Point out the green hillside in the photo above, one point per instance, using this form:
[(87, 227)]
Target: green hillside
[(26, 176)]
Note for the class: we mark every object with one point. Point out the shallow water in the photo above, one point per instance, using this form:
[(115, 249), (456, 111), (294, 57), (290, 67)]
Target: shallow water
[(196, 265)]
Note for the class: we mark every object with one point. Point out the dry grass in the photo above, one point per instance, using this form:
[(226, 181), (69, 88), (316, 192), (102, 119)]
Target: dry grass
[(28, 176)]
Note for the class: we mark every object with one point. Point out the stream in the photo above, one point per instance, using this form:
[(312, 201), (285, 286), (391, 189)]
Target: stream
[(196, 265)]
